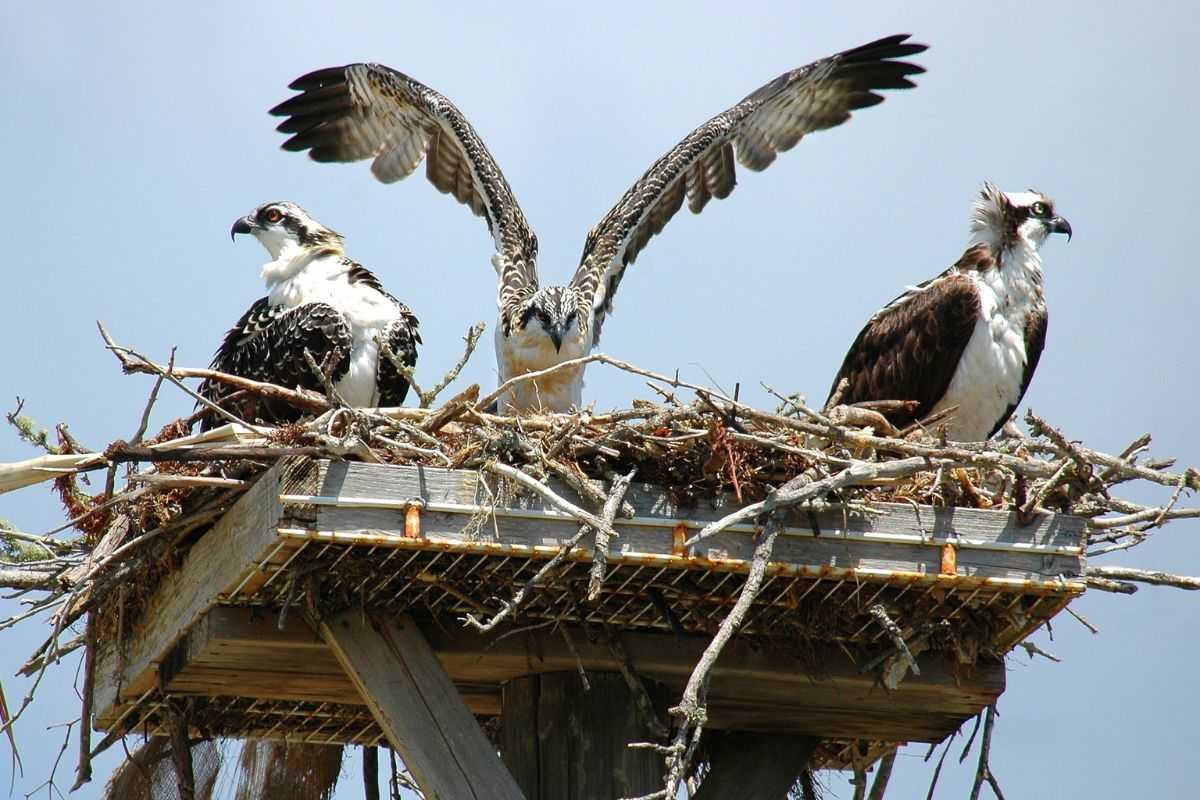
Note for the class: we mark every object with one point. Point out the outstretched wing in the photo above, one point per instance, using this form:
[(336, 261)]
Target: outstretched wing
[(769, 121), (267, 344), (362, 111), (910, 349)]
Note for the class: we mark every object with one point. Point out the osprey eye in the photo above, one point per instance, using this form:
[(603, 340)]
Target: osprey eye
[(273, 215), (1040, 209)]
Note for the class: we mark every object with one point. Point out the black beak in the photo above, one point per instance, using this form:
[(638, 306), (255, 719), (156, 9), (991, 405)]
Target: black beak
[(1060, 225), (243, 225), (556, 335)]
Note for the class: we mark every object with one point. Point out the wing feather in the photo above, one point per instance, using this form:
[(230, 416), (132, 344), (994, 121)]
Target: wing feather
[(1035, 341), (266, 345), (910, 349), (769, 121), (369, 111)]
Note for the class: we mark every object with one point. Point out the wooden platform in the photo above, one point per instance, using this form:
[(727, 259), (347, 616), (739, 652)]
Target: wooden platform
[(319, 537)]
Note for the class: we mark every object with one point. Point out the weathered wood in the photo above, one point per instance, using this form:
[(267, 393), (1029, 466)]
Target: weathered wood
[(237, 650), (991, 544), (217, 561), (564, 742), (759, 765), (424, 717)]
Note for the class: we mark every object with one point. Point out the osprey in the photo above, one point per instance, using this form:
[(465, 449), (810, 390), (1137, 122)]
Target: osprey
[(969, 339), (369, 111), (320, 301)]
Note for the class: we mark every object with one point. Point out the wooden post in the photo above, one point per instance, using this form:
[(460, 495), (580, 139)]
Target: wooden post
[(562, 742), (416, 704), (759, 765)]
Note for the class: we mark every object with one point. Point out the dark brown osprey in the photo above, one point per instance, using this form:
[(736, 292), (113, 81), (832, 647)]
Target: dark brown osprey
[(970, 338), (369, 111)]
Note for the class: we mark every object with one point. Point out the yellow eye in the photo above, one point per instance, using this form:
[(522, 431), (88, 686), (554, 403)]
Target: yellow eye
[(273, 215), (1039, 209)]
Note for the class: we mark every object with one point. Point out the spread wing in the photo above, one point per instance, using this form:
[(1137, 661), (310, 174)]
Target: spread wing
[(369, 111), (267, 344), (769, 121), (910, 349)]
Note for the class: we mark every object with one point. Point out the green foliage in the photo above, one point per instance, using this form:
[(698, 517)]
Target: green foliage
[(15, 550), (28, 430)]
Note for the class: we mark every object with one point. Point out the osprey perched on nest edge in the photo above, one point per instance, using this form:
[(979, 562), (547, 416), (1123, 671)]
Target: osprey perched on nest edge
[(969, 338), (320, 301), (369, 111)]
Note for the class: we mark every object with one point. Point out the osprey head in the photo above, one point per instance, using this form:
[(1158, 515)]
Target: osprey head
[(553, 310), (1003, 219), (282, 227)]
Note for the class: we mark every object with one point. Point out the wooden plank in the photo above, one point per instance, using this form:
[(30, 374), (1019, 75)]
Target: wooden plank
[(227, 552), (751, 689), (841, 543), (412, 698)]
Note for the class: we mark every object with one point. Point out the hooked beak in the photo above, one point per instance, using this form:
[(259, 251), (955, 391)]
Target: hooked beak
[(243, 225), (556, 335), (1060, 225)]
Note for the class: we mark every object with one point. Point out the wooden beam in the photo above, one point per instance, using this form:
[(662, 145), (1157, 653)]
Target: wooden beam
[(416, 704), (225, 555), (239, 651)]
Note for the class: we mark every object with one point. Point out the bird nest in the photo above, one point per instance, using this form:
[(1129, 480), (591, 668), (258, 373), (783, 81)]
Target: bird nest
[(715, 461)]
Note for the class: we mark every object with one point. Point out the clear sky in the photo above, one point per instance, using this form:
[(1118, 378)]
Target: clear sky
[(133, 135)]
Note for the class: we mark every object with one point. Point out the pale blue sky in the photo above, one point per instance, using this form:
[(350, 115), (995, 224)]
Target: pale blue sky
[(134, 135)]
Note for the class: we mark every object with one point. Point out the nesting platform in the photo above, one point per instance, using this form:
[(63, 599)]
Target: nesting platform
[(234, 628)]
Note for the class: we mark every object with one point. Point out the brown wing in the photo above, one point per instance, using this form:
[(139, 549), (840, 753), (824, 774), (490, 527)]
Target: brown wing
[(362, 111), (769, 121), (1035, 341), (910, 349)]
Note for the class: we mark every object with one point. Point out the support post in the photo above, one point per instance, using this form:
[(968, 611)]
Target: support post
[(418, 707), (564, 742), (760, 765)]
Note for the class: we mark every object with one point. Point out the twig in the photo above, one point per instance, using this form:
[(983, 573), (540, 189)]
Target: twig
[(803, 488), (897, 636), (566, 634), (883, 773), (132, 361), (145, 422), (1082, 620), (495, 394), (510, 607), (656, 727), (1032, 649), (550, 496), (616, 497), (984, 772), (426, 398), (84, 769), (189, 481), (1144, 576), (324, 373), (938, 769), (691, 711), (121, 452)]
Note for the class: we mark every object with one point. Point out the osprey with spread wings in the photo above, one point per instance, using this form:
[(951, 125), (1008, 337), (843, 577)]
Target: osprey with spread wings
[(369, 111)]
